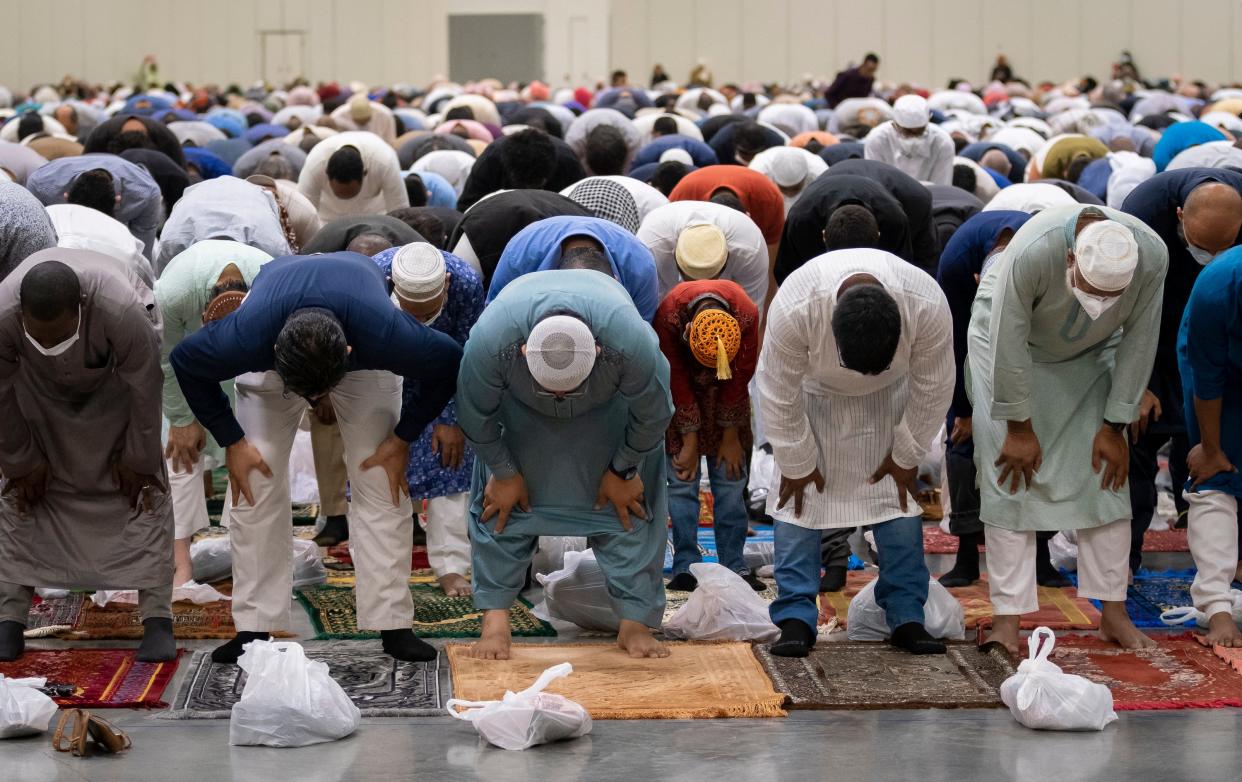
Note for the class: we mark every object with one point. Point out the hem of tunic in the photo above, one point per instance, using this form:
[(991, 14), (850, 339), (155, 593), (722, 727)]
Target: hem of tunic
[(846, 524)]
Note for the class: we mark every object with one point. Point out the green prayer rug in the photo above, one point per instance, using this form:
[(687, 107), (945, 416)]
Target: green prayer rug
[(334, 614)]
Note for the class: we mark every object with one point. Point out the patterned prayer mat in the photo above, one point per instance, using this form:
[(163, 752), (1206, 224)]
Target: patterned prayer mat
[(856, 675), (1178, 673), (340, 552), (120, 621), (1152, 593), (707, 509), (96, 678), (377, 684), (1229, 655), (697, 681), (55, 611), (348, 578), (334, 614), (937, 541)]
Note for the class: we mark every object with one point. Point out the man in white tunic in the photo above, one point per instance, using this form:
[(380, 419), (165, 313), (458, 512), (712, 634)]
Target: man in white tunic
[(353, 173), (911, 143), (854, 379), (1061, 344)]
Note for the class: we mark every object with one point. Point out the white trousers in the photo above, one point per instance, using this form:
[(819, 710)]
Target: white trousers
[(367, 404), (1103, 566), (1213, 535), (189, 497), (448, 534)]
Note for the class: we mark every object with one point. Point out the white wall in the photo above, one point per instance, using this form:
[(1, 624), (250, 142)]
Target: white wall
[(406, 40)]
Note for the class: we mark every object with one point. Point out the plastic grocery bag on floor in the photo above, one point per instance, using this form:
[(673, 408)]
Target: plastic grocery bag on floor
[(211, 559), (191, 592), (578, 593), (308, 566), (757, 553), (1042, 697), (943, 616), (1063, 550), (289, 700), (1179, 616), (722, 608), (552, 549), (24, 711), (523, 719)]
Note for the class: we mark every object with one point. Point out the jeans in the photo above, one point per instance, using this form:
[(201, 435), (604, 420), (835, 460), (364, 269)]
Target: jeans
[(901, 589), (731, 522)]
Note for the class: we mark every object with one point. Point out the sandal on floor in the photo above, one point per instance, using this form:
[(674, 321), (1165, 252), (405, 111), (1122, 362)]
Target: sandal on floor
[(77, 732), (103, 735)]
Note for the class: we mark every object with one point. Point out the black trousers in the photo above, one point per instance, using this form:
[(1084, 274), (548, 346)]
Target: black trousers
[(1143, 470)]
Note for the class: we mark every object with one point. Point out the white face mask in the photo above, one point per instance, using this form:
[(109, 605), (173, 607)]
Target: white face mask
[(435, 317), (56, 350), (1201, 256), (1093, 305)]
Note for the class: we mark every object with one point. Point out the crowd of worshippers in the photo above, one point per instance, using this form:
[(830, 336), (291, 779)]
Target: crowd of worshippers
[(559, 312)]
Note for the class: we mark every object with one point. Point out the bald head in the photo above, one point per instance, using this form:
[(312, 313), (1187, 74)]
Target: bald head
[(369, 244), (1212, 217), (997, 161)]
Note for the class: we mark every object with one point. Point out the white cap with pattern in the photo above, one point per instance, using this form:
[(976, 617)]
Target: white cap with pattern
[(418, 272), (560, 353), (1107, 255)]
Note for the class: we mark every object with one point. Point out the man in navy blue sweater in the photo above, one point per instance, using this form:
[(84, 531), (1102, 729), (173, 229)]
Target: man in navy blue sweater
[(318, 330)]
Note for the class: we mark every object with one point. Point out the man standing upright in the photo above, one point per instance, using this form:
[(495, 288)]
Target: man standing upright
[(853, 82)]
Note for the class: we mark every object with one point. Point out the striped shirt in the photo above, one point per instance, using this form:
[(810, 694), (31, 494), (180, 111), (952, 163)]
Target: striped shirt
[(817, 413)]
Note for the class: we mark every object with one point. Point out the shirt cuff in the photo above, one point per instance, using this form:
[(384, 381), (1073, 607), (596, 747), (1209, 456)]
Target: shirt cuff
[(1120, 412), (228, 432), (1011, 411)]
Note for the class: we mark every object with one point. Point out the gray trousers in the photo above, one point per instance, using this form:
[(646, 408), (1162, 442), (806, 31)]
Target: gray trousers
[(15, 601)]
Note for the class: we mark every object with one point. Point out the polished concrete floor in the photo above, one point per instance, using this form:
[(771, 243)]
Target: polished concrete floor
[(929, 745)]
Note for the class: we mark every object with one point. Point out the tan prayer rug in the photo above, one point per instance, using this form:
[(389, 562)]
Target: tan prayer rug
[(697, 681), (857, 675)]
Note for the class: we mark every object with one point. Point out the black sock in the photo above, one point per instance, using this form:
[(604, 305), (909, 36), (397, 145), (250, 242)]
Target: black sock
[(683, 582), (335, 530), (404, 645), (914, 638), (797, 639), (158, 644), (833, 579), (12, 642), (227, 654)]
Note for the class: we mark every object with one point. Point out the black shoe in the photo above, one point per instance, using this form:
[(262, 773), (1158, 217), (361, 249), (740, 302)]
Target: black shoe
[(158, 644), (1045, 574), (335, 530), (959, 577), (12, 640), (965, 570), (420, 534), (797, 639), (682, 582), (914, 638), (227, 654), (833, 579), (753, 580), (404, 645)]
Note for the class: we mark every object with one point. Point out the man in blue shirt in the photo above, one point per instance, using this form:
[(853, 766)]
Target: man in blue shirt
[(311, 331)]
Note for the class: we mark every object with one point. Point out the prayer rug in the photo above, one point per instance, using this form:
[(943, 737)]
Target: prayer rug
[(707, 509), (96, 678), (1154, 592), (1178, 673), (937, 541), (377, 684), (857, 675), (334, 614), (707, 544), (1228, 654), (697, 681), (837, 604), (418, 560), (55, 611), (347, 578), (120, 621)]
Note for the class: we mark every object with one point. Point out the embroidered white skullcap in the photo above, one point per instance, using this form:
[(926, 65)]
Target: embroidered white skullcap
[(417, 272), (677, 155), (910, 111), (701, 251), (789, 166), (1107, 255), (560, 353)]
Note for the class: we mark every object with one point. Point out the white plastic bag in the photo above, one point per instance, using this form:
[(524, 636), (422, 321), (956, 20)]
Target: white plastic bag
[(1063, 550), (1178, 616), (552, 550), (303, 486), (523, 719), (289, 700), (1042, 697), (722, 608), (757, 553), (24, 711), (191, 591), (308, 566), (211, 559), (578, 593), (943, 616)]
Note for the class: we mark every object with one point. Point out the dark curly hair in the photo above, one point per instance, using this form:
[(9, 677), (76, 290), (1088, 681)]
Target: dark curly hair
[(866, 325), (311, 353)]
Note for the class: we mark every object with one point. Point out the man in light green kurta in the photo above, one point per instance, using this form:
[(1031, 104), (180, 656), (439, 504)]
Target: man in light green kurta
[(192, 279), (1061, 344)]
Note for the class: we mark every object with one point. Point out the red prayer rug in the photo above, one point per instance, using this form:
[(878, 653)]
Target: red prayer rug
[(1178, 673), (1228, 654), (96, 678), (418, 560), (937, 541)]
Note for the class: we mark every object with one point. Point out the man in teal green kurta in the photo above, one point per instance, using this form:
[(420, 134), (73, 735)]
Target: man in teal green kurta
[(585, 460), (1061, 344), (188, 284)]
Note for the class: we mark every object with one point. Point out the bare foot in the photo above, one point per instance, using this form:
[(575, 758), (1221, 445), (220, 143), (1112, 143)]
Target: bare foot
[(1116, 627), (1222, 631), (1005, 631), (455, 585), (636, 639), (494, 641)]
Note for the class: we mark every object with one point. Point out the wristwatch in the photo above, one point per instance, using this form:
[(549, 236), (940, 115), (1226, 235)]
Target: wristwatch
[(1116, 427), (626, 475)]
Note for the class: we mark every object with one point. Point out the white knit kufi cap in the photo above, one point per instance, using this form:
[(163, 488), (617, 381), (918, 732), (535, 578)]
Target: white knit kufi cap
[(701, 251), (1107, 255), (418, 272), (560, 353), (910, 111), (789, 167), (677, 155)]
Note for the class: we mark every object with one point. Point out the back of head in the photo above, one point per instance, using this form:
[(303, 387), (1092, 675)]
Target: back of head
[(527, 158), (277, 167), (416, 189), (606, 151), (726, 197), (866, 325), (668, 174), (30, 124), (664, 126), (1076, 166), (749, 138), (311, 353), (345, 165), (964, 177), (425, 223), (368, 244), (998, 161), (586, 258), (851, 226), (94, 189), (459, 112), (50, 290)]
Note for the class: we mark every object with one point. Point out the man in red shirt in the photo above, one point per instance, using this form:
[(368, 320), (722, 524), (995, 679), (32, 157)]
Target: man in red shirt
[(709, 332)]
